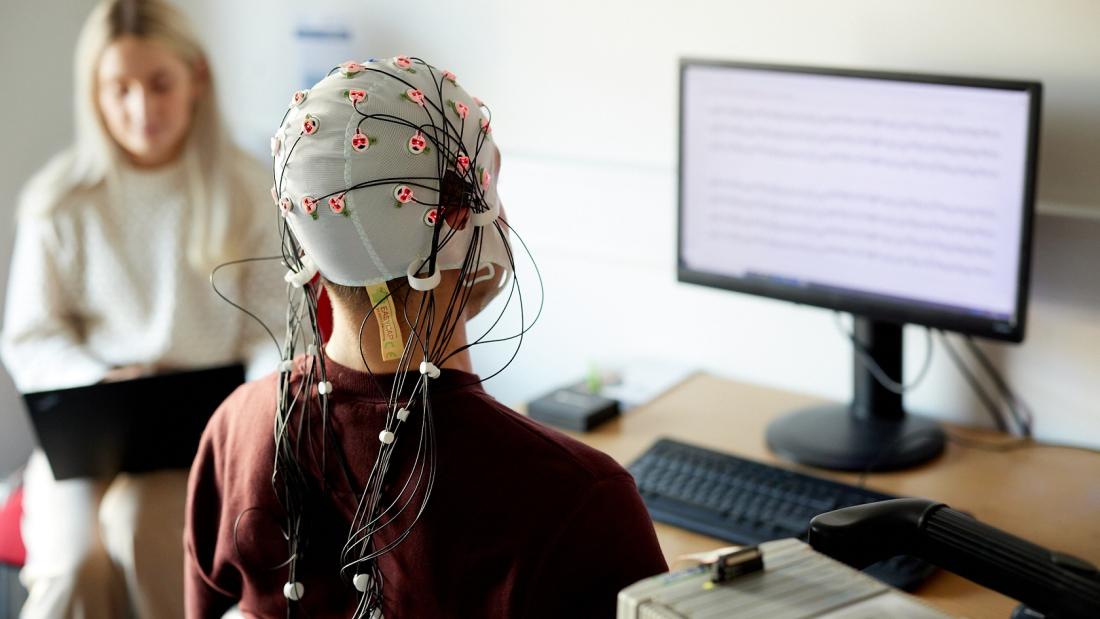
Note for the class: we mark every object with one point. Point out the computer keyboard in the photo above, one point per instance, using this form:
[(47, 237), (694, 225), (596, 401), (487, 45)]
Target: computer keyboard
[(747, 502)]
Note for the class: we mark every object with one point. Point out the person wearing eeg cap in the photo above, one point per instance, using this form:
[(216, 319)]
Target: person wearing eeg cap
[(393, 485)]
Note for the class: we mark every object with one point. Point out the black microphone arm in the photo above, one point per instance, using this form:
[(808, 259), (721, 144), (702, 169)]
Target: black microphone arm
[(1057, 585)]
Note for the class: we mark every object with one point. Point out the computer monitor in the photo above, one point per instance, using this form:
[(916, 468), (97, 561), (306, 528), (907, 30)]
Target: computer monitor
[(899, 198)]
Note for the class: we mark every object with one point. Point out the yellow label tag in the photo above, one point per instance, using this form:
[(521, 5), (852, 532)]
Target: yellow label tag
[(389, 332)]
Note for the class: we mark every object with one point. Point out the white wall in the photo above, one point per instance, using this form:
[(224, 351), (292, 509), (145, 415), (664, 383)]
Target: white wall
[(36, 74), (584, 100)]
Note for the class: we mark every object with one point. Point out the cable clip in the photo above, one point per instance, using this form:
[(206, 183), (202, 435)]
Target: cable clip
[(294, 591), (429, 369), (304, 275), (361, 582), (422, 284), (486, 217)]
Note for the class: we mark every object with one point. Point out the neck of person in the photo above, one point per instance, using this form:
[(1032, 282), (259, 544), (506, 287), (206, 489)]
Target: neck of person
[(364, 352)]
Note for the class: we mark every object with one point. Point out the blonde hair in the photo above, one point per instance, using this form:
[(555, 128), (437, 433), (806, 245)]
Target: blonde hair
[(210, 159)]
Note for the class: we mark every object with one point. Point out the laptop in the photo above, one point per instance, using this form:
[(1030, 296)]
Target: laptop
[(132, 426)]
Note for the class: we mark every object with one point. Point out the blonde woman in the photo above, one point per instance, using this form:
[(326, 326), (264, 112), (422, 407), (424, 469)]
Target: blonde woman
[(116, 238)]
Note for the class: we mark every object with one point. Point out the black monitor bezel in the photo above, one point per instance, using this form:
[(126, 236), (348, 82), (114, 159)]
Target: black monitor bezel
[(867, 305)]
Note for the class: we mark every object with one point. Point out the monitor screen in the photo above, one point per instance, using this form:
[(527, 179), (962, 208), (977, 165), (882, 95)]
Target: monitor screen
[(900, 197)]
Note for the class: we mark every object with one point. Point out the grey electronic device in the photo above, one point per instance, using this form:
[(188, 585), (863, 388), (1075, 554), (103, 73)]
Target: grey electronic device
[(793, 581)]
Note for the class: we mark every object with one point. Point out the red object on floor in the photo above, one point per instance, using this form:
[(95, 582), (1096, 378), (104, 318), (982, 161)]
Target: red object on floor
[(12, 551)]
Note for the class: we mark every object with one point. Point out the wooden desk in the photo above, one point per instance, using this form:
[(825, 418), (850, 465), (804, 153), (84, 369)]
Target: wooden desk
[(1048, 495)]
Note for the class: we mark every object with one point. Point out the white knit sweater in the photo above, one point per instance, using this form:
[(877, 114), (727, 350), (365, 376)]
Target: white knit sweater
[(100, 284)]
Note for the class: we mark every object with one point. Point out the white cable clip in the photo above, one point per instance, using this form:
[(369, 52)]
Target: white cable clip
[(423, 284), (487, 216), (402, 414), (429, 369), (286, 365), (386, 437), (361, 582), (294, 591), (376, 614), (302, 277), (324, 387)]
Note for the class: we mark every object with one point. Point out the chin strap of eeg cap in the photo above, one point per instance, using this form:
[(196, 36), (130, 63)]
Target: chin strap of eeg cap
[(477, 279)]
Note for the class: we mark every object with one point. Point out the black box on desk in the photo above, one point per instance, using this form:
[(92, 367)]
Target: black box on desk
[(573, 408)]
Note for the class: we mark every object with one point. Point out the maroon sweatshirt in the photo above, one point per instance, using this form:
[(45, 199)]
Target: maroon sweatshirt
[(522, 521)]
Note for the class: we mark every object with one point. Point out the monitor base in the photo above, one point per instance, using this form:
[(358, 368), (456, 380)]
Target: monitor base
[(831, 437)]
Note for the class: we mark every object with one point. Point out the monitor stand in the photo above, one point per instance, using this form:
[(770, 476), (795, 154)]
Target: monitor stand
[(871, 433)]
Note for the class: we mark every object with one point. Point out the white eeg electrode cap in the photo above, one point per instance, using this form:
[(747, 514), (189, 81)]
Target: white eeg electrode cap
[(358, 172)]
